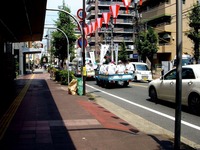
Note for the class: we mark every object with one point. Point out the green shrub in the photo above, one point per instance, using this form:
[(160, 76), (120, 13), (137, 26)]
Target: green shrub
[(57, 75), (62, 76)]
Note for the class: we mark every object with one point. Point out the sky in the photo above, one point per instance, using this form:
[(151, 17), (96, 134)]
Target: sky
[(51, 16), (74, 6)]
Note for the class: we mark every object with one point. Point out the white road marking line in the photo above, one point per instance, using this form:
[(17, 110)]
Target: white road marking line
[(149, 109)]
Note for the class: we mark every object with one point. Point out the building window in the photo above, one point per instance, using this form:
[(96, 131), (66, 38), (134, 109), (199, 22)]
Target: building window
[(164, 38), (167, 1)]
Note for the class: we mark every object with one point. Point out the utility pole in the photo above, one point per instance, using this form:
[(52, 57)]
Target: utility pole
[(179, 74), (136, 19), (83, 52), (96, 32), (112, 38)]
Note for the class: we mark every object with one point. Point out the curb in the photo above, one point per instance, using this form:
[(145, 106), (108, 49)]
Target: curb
[(139, 122)]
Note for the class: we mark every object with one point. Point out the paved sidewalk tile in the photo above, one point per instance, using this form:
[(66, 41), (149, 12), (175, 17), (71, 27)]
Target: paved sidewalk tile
[(48, 118)]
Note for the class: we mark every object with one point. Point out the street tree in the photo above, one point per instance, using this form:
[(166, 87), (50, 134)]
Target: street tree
[(59, 42), (147, 45), (122, 54), (194, 34)]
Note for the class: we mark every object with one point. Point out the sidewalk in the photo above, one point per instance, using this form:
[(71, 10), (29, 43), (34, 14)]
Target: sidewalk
[(45, 116)]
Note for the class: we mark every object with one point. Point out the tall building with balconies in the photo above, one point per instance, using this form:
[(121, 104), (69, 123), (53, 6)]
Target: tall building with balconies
[(161, 15), (123, 30)]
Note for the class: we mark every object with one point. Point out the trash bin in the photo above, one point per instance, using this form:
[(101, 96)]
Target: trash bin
[(80, 86)]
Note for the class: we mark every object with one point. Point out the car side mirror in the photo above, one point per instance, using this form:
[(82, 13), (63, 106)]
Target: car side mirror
[(162, 77), (162, 72)]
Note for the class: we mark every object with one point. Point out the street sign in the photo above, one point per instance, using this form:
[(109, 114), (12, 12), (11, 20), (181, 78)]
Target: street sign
[(80, 14), (80, 42)]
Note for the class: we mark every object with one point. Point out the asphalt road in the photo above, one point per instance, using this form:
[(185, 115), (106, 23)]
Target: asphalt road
[(133, 104)]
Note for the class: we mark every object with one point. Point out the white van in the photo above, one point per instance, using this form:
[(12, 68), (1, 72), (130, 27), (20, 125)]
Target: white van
[(76, 67), (141, 72), (186, 60)]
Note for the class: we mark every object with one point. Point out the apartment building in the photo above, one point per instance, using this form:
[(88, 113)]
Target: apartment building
[(123, 29), (161, 14)]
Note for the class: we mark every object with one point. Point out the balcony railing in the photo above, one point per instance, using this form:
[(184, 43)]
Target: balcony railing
[(103, 3), (115, 30), (93, 48), (116, 39), (161, 9)]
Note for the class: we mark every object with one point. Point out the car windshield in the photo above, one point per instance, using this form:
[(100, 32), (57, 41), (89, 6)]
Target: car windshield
[(141, 67), (184, 62), (187, 73), (171, 75)]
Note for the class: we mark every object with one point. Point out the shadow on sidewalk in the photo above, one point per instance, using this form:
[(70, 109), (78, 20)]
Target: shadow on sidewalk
[(31, 127)]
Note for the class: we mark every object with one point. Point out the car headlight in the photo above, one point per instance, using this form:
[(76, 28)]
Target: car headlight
[(137, 72)]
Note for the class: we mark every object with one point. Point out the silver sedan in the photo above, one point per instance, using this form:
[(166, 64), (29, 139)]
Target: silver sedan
[(164, 88)]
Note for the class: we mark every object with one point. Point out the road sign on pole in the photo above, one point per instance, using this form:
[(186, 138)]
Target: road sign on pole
[(80, 42), (80, 14)]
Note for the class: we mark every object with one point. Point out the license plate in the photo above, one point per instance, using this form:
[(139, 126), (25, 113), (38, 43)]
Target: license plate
[(144, 78)]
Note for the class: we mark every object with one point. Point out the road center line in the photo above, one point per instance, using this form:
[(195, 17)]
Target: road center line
[(146, 108)]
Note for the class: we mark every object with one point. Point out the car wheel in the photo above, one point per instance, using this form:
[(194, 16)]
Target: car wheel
[(126, 83), (107, 85), (135, 78), (97, 81), (194, 103), (153, 94), (103, 83)]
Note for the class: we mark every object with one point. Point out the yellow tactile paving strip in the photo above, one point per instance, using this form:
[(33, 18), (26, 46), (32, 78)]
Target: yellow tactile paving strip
[(7, 117)]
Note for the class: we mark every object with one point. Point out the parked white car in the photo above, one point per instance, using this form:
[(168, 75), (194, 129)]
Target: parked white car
[(141, 72), (164, 88)]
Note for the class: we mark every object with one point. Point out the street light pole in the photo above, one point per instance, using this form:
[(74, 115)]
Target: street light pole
[(114, 9), (48, 47), (67, 49), (82, 34)]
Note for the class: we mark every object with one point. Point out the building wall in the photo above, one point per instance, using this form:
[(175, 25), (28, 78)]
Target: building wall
[(123, 28), (169, 9), (151, 10), (7, 66)]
